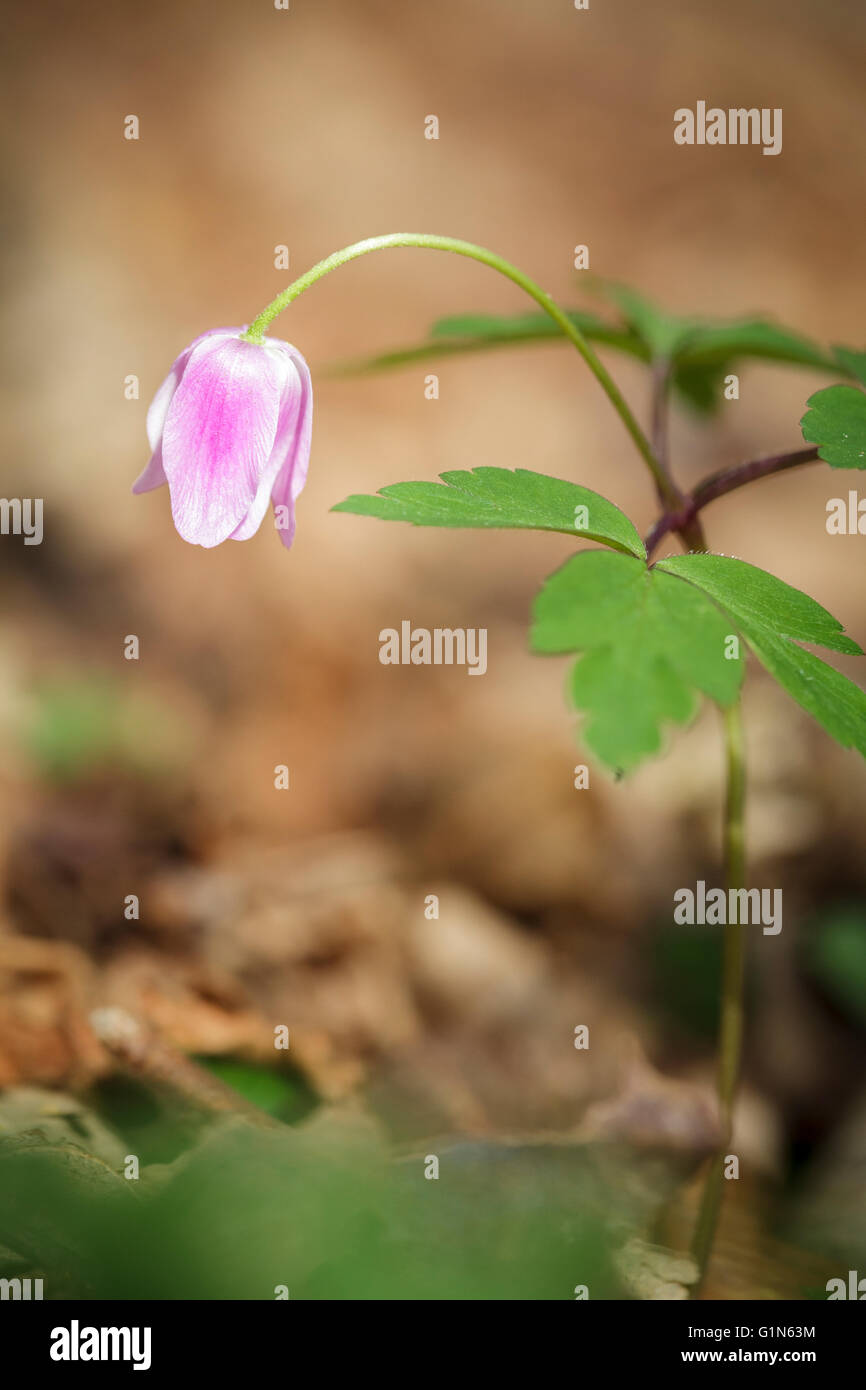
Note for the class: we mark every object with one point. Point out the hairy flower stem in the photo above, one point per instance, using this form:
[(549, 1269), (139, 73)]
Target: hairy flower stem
[(733, 974), (667, 490)]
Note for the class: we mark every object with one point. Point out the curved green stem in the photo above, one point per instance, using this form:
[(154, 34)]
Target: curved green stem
[(256, 331), (732, 1007)]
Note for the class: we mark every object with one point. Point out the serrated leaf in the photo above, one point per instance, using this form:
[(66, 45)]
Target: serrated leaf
[(761, 600), (650, 644), (773, 617), (836, 418), (502, 497)]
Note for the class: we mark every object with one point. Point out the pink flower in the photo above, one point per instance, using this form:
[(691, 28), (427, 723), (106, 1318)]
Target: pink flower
[(230, 431)]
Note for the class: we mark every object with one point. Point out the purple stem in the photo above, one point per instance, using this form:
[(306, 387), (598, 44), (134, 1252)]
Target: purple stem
[(721, 483)]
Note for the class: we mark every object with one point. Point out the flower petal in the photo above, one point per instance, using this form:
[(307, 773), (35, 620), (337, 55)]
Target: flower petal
[(294, 436), (153, 475), (219, 435), (292, 392), (158, 408)]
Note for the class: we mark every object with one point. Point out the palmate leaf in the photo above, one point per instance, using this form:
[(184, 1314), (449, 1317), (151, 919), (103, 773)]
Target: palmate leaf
[(836, 418), (650, 644), (773, 618), (502, 497), (654, 638)]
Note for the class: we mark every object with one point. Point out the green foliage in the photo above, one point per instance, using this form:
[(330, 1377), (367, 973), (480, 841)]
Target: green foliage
[(836, 955), (685, 970), (83, 723), (500, 497), (649, 646), (466, 333), (853, 362), (482, 330), (836, 418), (281, 1094), (327, 1215), (662, 334), (773, 618), (701, 351), (74, 725), (652, 638), (650, 643)]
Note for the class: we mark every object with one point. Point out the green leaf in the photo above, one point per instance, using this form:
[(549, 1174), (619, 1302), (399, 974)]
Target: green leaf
[(703, 352), (773, 618), (760, 601), (853, 362), (756, 339), (492, 328), (700, 387), (281, 1094), (662, 333), (650, 643), (837, 956), (501, 497), (836, 418), (467, 333)]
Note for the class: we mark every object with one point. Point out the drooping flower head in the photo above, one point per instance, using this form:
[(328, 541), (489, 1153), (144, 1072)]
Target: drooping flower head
[(230, 430)]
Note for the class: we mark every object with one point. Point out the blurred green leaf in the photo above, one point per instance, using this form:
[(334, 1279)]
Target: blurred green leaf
[(662, 334), (702, 351), (83, 723), (283, 1095), (467, 333), (327, 1216), (713, 343), (686, 972), (836, 954), (74, 725)]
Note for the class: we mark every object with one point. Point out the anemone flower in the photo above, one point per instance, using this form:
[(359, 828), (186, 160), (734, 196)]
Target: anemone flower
[(230, 431)]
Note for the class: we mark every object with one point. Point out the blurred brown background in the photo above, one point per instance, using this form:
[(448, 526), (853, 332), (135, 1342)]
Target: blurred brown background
[(260, 127)]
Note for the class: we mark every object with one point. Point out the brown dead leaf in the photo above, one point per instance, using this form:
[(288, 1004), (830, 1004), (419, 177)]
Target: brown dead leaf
[(44, 1034)]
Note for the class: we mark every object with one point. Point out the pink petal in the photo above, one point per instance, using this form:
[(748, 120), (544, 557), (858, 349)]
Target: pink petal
[(219, 435), (292, 391), (153, 475), (294, 435), (158, 408)]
